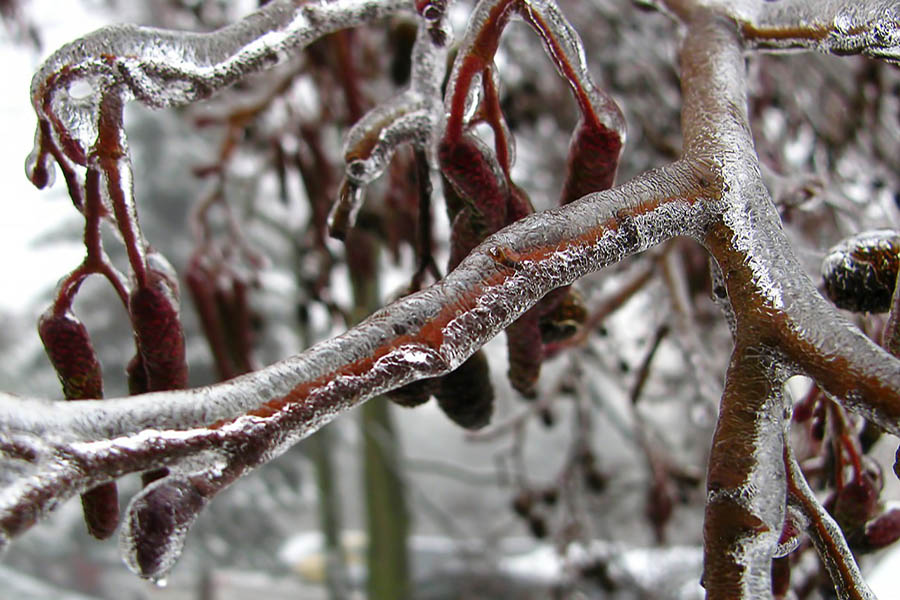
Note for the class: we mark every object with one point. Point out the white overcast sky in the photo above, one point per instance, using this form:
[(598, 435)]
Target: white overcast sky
[(26, 269)]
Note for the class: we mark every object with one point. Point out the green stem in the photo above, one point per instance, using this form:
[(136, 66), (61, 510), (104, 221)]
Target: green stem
[(387, 517)]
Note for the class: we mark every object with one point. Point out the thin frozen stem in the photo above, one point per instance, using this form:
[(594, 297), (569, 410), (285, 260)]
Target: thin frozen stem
[(824, 532), (413, 116), (869, 27)]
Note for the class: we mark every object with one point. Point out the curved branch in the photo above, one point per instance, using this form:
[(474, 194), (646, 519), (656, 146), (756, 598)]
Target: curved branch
[(870, 28), (63, 448)]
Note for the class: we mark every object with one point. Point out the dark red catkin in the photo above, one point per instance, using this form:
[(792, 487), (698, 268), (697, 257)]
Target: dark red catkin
[(160, 364), (71, 353), (158, 522), (158, 333)]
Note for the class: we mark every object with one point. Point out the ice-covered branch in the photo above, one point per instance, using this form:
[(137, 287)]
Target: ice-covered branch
[(55, 450), (783, 326), (824, 532), (867, 27), (746, 481)]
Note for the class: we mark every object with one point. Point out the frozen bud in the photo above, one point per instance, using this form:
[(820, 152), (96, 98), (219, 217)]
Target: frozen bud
[(100, 506), (564, 320), (523, 503), (157, 523), (413, 394), (537, 525), (860, 272), (781, 577), (660, 505), (882, 531), (525, 351), (856, 503), (69, 348), (466, 395), (550, 495), (593, 158), (136, 375), (595, 480)]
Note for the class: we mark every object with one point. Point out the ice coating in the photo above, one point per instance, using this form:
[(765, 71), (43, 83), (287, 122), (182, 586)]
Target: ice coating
[(413, 117), (871, 28), (166, 68), (745, 506)]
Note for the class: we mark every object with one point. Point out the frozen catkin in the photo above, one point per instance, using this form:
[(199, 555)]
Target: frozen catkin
[(68, 346), (157, 523)]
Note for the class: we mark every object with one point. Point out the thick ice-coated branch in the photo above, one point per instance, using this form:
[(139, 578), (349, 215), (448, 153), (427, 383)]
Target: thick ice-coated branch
[(867, 27), (745, 482), (783, 326), (63, 448), (765, 283)]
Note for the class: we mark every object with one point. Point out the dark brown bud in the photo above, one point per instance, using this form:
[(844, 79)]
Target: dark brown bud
[(413, 394), (466, 395), (538, 526), (522, 503), (595, 480), (882, 531), (860, 272), (71, 353), (856, 503)]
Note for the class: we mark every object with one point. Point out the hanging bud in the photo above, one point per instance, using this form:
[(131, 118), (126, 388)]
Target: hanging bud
[(860, 272), (593, 158), (157, 523), (69, 348), (161, 364), (466, 395), (413, 394), (882, 531), (855, 504), (564, 319), (526, 353), (781, 578), (523, 503)]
